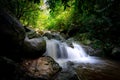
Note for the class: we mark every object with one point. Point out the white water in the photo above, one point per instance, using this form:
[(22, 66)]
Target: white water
[(63, 53)]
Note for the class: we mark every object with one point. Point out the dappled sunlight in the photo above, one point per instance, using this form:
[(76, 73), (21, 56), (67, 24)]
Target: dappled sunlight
[(46, 19), (55, 20), (59, 21)]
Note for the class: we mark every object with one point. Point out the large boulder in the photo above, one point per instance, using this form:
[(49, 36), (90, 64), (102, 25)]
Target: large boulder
[(12, 35), (33, 48), (14, 42), (41, 68), (15, 45)]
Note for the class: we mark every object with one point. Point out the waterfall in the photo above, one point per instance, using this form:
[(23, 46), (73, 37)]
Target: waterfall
[(62, 52), (76, 53)]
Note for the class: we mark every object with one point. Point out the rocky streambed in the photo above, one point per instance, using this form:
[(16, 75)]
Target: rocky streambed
[(102, 69)]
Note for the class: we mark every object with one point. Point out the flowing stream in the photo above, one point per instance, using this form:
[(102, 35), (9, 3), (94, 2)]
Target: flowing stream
[(62, 52), (76, 62)]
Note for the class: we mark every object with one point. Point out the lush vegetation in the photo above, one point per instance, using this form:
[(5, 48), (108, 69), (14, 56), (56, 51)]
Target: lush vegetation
[(90, 21)]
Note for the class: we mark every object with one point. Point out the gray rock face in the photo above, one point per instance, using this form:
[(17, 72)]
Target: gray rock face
[(35, 47)]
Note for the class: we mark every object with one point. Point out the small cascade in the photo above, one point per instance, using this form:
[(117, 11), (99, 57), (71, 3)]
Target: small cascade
[(56, 49), (60, 50), (75, 53), (63, 53)]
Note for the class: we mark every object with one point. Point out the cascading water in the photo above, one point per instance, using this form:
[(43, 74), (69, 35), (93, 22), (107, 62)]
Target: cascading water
[(59, 50), (63, 53), (76, 64)]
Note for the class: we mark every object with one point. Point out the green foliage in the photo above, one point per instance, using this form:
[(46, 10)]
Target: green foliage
[(25, 10), (30, 16), (88, 16), (58, 21), (89, 20), (84, 38)]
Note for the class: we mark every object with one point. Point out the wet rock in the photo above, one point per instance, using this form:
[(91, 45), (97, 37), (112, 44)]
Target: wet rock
[(30, 33), (64, 34), (70, 42), (91, 51), (66, 75), (54, 35), (34, 47), (116, 53), (48, 35), (43, 67)]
